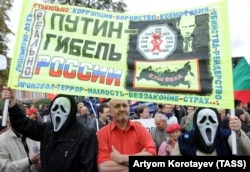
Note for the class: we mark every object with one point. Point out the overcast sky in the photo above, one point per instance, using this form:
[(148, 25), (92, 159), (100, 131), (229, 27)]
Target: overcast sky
[(238, 18)]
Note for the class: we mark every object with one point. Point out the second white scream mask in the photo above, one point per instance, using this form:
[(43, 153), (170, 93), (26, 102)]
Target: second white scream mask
[(207, 123)]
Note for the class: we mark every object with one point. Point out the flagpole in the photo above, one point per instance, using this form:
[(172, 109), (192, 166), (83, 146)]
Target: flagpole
[(233, 134), (96, 118), (5, 112)]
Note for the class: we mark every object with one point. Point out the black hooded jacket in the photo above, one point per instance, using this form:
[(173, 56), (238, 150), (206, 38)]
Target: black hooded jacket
[(73, 148), (190, 141)]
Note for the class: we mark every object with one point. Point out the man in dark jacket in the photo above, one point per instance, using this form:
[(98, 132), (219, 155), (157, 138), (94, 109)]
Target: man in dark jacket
[(66, 145)]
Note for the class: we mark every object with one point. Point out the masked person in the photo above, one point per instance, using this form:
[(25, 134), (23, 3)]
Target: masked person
[(66, 145), (208, 139)]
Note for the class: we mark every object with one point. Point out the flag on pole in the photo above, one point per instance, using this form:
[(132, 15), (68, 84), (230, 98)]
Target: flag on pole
[(241, 80)]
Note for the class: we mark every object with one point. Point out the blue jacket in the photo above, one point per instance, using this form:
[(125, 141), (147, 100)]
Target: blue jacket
[(187, 146)]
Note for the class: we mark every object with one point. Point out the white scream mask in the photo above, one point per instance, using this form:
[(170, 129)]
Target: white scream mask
[(207, 123), (60, 110)]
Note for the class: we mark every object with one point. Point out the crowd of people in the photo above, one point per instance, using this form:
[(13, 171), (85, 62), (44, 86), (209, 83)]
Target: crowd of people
[(66, 137)]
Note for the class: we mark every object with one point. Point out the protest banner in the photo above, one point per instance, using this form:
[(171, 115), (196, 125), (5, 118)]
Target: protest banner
[(179, 57), (147, 123)]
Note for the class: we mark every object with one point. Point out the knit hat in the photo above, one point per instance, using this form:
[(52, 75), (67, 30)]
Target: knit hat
[(31, 111), (173, 127)]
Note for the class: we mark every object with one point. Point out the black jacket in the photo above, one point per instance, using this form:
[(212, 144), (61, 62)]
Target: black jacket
[(73, 149)]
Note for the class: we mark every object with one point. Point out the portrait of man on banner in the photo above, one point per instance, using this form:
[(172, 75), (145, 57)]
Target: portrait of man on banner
[(170, 55)]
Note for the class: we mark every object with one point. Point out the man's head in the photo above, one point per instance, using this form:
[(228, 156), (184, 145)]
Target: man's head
[(160, 121), (186, 26), (79, 106), (40, 106), (143, 111), (119, 110), (84, 111), (190, 109), (167, 108), (103, 111)]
